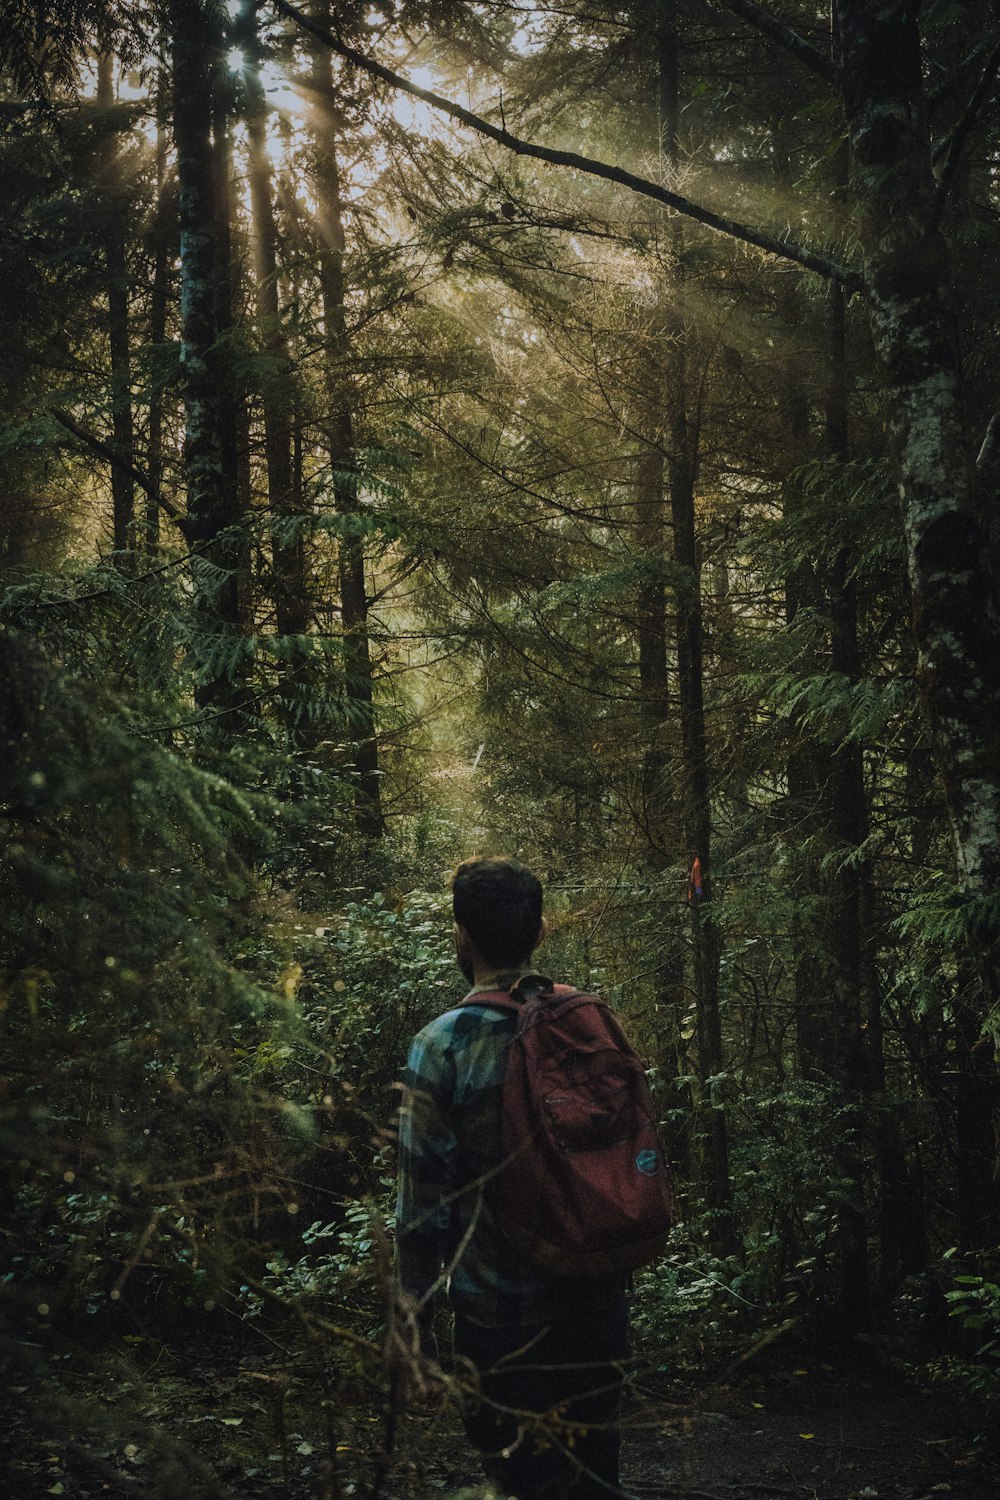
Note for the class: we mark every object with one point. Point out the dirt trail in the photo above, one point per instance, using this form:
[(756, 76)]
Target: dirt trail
[(815, 1434)]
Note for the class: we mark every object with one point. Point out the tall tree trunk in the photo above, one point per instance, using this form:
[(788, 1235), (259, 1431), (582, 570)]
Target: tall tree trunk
[(213, 522), (807, 813), (670, 997), (696, 807), (849, 826), (857, 992), (805, 774), (162, 237), (291, 601), (235, 417), (292, 604), (651, 625), (359, 671), (955, 614), (123, 440)]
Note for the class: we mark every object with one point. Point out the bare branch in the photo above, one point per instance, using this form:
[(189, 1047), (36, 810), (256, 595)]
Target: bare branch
[(777, 31), (98, 445), (785, 249), (988, 459), (950, 83), (964, 127)]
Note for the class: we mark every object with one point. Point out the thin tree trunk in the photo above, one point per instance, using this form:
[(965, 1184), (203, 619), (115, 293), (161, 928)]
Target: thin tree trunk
[(696, 807), (291, 601), (292, 604), (670, 998), (298, 241), (359, 671), (806, 776), (807, 813), (162, 236), (123, 439), (849, 826), (235, 417), (651, 630)]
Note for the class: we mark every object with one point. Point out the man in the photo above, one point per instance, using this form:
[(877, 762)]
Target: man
[(548, 1352)]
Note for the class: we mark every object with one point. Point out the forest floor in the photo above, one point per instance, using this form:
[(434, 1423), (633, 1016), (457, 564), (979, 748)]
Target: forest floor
[(812, 1433), (218, 1427), (815, 1433)]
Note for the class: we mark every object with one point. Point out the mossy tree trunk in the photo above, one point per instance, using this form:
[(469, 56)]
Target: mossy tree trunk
[(955, 614)]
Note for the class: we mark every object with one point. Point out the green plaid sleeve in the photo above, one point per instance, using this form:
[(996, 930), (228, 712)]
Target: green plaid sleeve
[(427, 1165)]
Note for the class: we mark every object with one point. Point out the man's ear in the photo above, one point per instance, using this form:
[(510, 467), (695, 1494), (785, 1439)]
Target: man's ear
[(542, 934)]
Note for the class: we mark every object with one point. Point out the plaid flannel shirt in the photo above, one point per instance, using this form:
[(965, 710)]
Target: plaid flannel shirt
[(449, 1148)]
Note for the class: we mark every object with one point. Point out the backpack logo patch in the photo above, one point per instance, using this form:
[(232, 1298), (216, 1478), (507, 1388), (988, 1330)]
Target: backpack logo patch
[(648, 1163)]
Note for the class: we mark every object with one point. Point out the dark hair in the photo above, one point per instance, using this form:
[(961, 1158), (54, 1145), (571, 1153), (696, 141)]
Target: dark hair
[(499, 903)]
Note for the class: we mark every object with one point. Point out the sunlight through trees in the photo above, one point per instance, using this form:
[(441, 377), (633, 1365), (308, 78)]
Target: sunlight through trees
[(567, 430)]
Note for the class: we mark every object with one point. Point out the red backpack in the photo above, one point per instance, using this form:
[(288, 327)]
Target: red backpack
[(584, 1190)]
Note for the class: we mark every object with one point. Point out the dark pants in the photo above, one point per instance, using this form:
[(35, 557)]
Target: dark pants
[(547, 1421)]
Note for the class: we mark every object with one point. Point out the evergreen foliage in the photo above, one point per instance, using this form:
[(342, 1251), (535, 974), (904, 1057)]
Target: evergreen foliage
[(375, 496)]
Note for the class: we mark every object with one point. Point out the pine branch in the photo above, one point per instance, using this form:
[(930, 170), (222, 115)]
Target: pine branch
[(952, 82), (964, 127), (784, 249), (70, 601), (777, 31), (98, 445)]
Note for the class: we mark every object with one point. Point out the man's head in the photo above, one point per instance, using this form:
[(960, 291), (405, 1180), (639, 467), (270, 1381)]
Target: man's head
[(498, 911)]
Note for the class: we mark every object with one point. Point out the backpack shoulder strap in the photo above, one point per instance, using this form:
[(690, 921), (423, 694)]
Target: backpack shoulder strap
[(565, 999), (512, 1000), (495, 999)]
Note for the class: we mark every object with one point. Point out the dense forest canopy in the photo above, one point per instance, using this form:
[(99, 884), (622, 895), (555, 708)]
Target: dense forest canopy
[(568, 430)]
